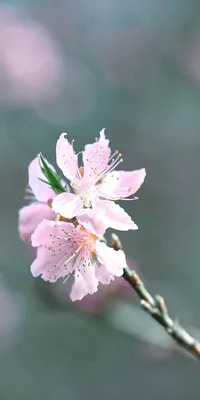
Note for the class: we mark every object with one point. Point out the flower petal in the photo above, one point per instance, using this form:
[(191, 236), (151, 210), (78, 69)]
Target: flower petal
[(103, 275), (66, 158), (50, 268), (30, 216), (95, 158), (119, 184), (40, 264), (67, 204), (85, 281), (93, 220), (102, 142), (114, 261), (40, 189), (48, 231), (115, 216), (55, 254), (106, 214)]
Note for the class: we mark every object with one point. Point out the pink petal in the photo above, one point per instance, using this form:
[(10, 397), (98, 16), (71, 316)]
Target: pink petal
[(95, 158), (114, 261), (119, 184), (66, 158), (54, 257), (39, 265), (115, 216), (85, 281), (67, 204), (103, 275), (40, 189), (93, 220), (106, 214), (50, 268), (49, 231), (102, 140), (30, 216)]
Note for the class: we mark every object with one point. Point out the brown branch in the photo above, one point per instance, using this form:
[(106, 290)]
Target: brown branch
[(156, 307)]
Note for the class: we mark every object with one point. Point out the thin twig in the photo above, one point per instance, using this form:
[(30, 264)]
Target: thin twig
[(156, 307)]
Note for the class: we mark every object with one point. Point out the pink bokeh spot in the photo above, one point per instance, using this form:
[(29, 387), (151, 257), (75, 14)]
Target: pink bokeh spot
[(191, 58), (30, 64)]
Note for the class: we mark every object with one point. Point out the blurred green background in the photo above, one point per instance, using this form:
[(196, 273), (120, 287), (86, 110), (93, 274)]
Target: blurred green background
[(75, 66)]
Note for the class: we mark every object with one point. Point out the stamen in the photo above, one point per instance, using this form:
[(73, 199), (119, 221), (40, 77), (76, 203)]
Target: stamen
[(112, 155), (129, 199), (112, 166), (117, 198), (81, 169), (74, 186), (115, 165), (63, 264), (66, 279)]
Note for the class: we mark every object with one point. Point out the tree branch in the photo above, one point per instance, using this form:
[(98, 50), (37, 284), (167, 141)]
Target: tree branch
[(156, 307)]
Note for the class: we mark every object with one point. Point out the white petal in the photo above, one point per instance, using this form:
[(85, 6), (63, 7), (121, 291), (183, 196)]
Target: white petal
[(67, 204), (106, 214), (119, 184), (103, 275), (85, 281), (66, 158), (40, 189), (95, 158), (114, 261)]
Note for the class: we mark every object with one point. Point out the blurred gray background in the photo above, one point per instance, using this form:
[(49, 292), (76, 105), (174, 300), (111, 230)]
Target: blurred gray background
[(75, 66)]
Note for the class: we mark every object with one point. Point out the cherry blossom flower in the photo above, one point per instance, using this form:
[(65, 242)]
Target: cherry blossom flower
[(64, 249), (96, 186), (41, 196)]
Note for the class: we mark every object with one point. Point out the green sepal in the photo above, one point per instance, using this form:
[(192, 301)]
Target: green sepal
[(53, 179), (42, 180)]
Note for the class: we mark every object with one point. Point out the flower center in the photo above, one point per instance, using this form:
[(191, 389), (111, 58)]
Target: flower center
[(89, 240), (89, 191), (87, 196)]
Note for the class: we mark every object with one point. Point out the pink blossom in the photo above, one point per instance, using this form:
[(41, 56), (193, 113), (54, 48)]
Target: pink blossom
[(96, 186), (64, 250), (40, 193)]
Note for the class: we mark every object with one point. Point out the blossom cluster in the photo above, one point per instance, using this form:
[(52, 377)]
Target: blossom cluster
[(66, 222)]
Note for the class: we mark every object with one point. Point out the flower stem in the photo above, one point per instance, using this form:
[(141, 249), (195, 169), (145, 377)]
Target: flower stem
[(156, 308)]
